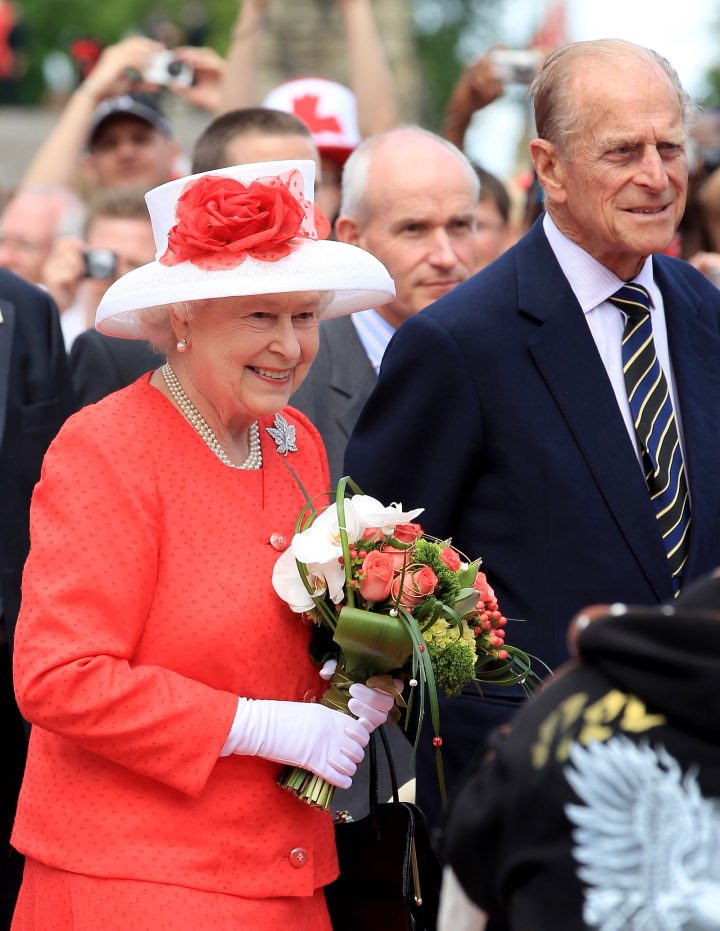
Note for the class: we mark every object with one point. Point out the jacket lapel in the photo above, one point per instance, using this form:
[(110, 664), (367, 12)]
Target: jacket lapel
[(567, 358), (7, 328), (695, 352), (352, 378)]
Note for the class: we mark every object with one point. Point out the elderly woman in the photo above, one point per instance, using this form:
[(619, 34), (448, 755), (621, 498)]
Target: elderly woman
[(165, 681)]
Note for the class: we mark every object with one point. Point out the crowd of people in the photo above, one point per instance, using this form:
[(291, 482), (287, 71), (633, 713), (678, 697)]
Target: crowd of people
[(542, 377)]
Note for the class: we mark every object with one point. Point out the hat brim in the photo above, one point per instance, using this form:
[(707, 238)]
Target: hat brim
[(356, 279)]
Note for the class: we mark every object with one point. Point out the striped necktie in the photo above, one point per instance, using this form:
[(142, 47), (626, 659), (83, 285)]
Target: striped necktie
[(655, 427)]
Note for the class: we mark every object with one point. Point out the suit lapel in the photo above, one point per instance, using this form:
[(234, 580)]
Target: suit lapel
[(7, 328), (352, 378), (695, 352), (567, 358)]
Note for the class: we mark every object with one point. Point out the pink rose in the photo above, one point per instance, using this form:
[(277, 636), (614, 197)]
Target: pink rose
[(487, 595), (451, 559), (407, 533), (400, 557), (372, 535), (378, 569), (417, 584)]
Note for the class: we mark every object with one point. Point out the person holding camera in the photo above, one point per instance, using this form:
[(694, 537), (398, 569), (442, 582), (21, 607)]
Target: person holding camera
[(77, 272), (107, 137)]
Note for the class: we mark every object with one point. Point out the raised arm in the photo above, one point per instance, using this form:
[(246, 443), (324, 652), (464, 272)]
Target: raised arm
[(239, 88), (371, 79), (478, 85)]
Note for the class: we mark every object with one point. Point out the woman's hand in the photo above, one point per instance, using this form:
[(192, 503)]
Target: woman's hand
[(329, 743)]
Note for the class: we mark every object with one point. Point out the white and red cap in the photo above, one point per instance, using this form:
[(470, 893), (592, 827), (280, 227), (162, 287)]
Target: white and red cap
[(327, 108)]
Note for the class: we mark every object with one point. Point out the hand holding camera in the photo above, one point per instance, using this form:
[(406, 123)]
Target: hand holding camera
[(70, 263), (166, 69)]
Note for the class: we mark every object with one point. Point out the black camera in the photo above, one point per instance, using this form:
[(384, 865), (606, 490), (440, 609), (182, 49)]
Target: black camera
[(100, 263)]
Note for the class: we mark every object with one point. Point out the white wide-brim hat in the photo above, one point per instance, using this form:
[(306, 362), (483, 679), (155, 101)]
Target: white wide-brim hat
[(201, 225)]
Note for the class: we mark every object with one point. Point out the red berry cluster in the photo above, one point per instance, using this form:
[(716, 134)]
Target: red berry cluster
[(356, 560), (489, 629)]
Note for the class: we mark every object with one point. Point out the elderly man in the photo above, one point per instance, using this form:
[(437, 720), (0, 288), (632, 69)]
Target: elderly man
[(29, 225), (548, 417), (409, 197)]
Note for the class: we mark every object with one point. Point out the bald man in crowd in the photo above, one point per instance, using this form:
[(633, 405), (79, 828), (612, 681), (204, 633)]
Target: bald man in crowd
[(409, 197)]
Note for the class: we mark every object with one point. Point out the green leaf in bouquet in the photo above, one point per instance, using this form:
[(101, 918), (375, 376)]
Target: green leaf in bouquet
[(465, 602), (371, 642), (467, 577), (426, 679)]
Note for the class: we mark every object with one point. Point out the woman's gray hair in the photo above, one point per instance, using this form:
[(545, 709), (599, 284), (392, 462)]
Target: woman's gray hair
[(557, 116), (157, 328), (354, 202)]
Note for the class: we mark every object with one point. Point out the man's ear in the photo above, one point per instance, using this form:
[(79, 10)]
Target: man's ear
[(348, 230), (550, 168)]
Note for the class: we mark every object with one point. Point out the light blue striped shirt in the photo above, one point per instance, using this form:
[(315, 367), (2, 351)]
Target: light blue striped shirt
[(374, 332)]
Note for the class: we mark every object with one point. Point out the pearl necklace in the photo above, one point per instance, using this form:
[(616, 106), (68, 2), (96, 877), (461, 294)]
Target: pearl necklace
[(198, 422)]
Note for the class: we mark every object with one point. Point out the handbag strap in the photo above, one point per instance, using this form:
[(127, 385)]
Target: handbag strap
[(374, 777)]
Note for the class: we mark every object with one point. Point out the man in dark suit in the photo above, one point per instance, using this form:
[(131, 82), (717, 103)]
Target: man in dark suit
[(420, 224), (35, 399), (504, 409)]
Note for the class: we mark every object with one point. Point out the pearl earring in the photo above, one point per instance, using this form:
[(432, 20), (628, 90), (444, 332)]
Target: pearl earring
[(181, 345)]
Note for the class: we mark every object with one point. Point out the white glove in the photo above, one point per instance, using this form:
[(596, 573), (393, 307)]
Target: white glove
[(327, 742), (370, 706)]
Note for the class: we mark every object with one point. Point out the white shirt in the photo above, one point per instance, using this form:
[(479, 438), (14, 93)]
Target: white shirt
[(592, 284)]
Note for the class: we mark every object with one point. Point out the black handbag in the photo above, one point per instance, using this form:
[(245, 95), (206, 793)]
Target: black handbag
[(389, 872)]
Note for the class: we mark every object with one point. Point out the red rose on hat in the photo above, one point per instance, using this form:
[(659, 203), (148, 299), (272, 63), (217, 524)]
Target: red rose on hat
[(221, 221)]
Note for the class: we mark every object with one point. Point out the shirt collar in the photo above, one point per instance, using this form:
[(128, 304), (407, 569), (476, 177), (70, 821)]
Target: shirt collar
[(592, 283), (374, 332)]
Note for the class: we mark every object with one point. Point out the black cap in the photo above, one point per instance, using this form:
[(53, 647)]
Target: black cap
[(142, 106)]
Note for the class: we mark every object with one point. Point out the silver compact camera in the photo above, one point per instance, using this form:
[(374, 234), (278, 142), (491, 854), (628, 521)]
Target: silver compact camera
[(517, 66), (165, 68), (100, 263)]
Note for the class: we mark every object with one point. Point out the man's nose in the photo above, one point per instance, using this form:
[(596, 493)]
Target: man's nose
[(652, 171), (442, 254)]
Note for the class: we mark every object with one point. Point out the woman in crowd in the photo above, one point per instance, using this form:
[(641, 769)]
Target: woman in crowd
[(164, 679)]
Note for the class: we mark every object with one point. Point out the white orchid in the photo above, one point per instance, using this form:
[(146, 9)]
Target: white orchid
[(288, 583), (372, 513), (319, 548), (321, 542)]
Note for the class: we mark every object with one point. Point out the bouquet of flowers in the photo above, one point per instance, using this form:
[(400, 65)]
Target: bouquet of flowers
[(395, 601)]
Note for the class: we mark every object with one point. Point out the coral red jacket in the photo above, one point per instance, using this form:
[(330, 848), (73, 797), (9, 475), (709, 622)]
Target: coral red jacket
[(147, 609)]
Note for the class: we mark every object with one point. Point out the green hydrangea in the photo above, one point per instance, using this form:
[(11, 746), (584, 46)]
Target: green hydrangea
[(428, 553), (452, 654)]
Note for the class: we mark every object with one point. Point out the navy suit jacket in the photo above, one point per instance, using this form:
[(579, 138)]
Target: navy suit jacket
[(35, 398), (494, 411)]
